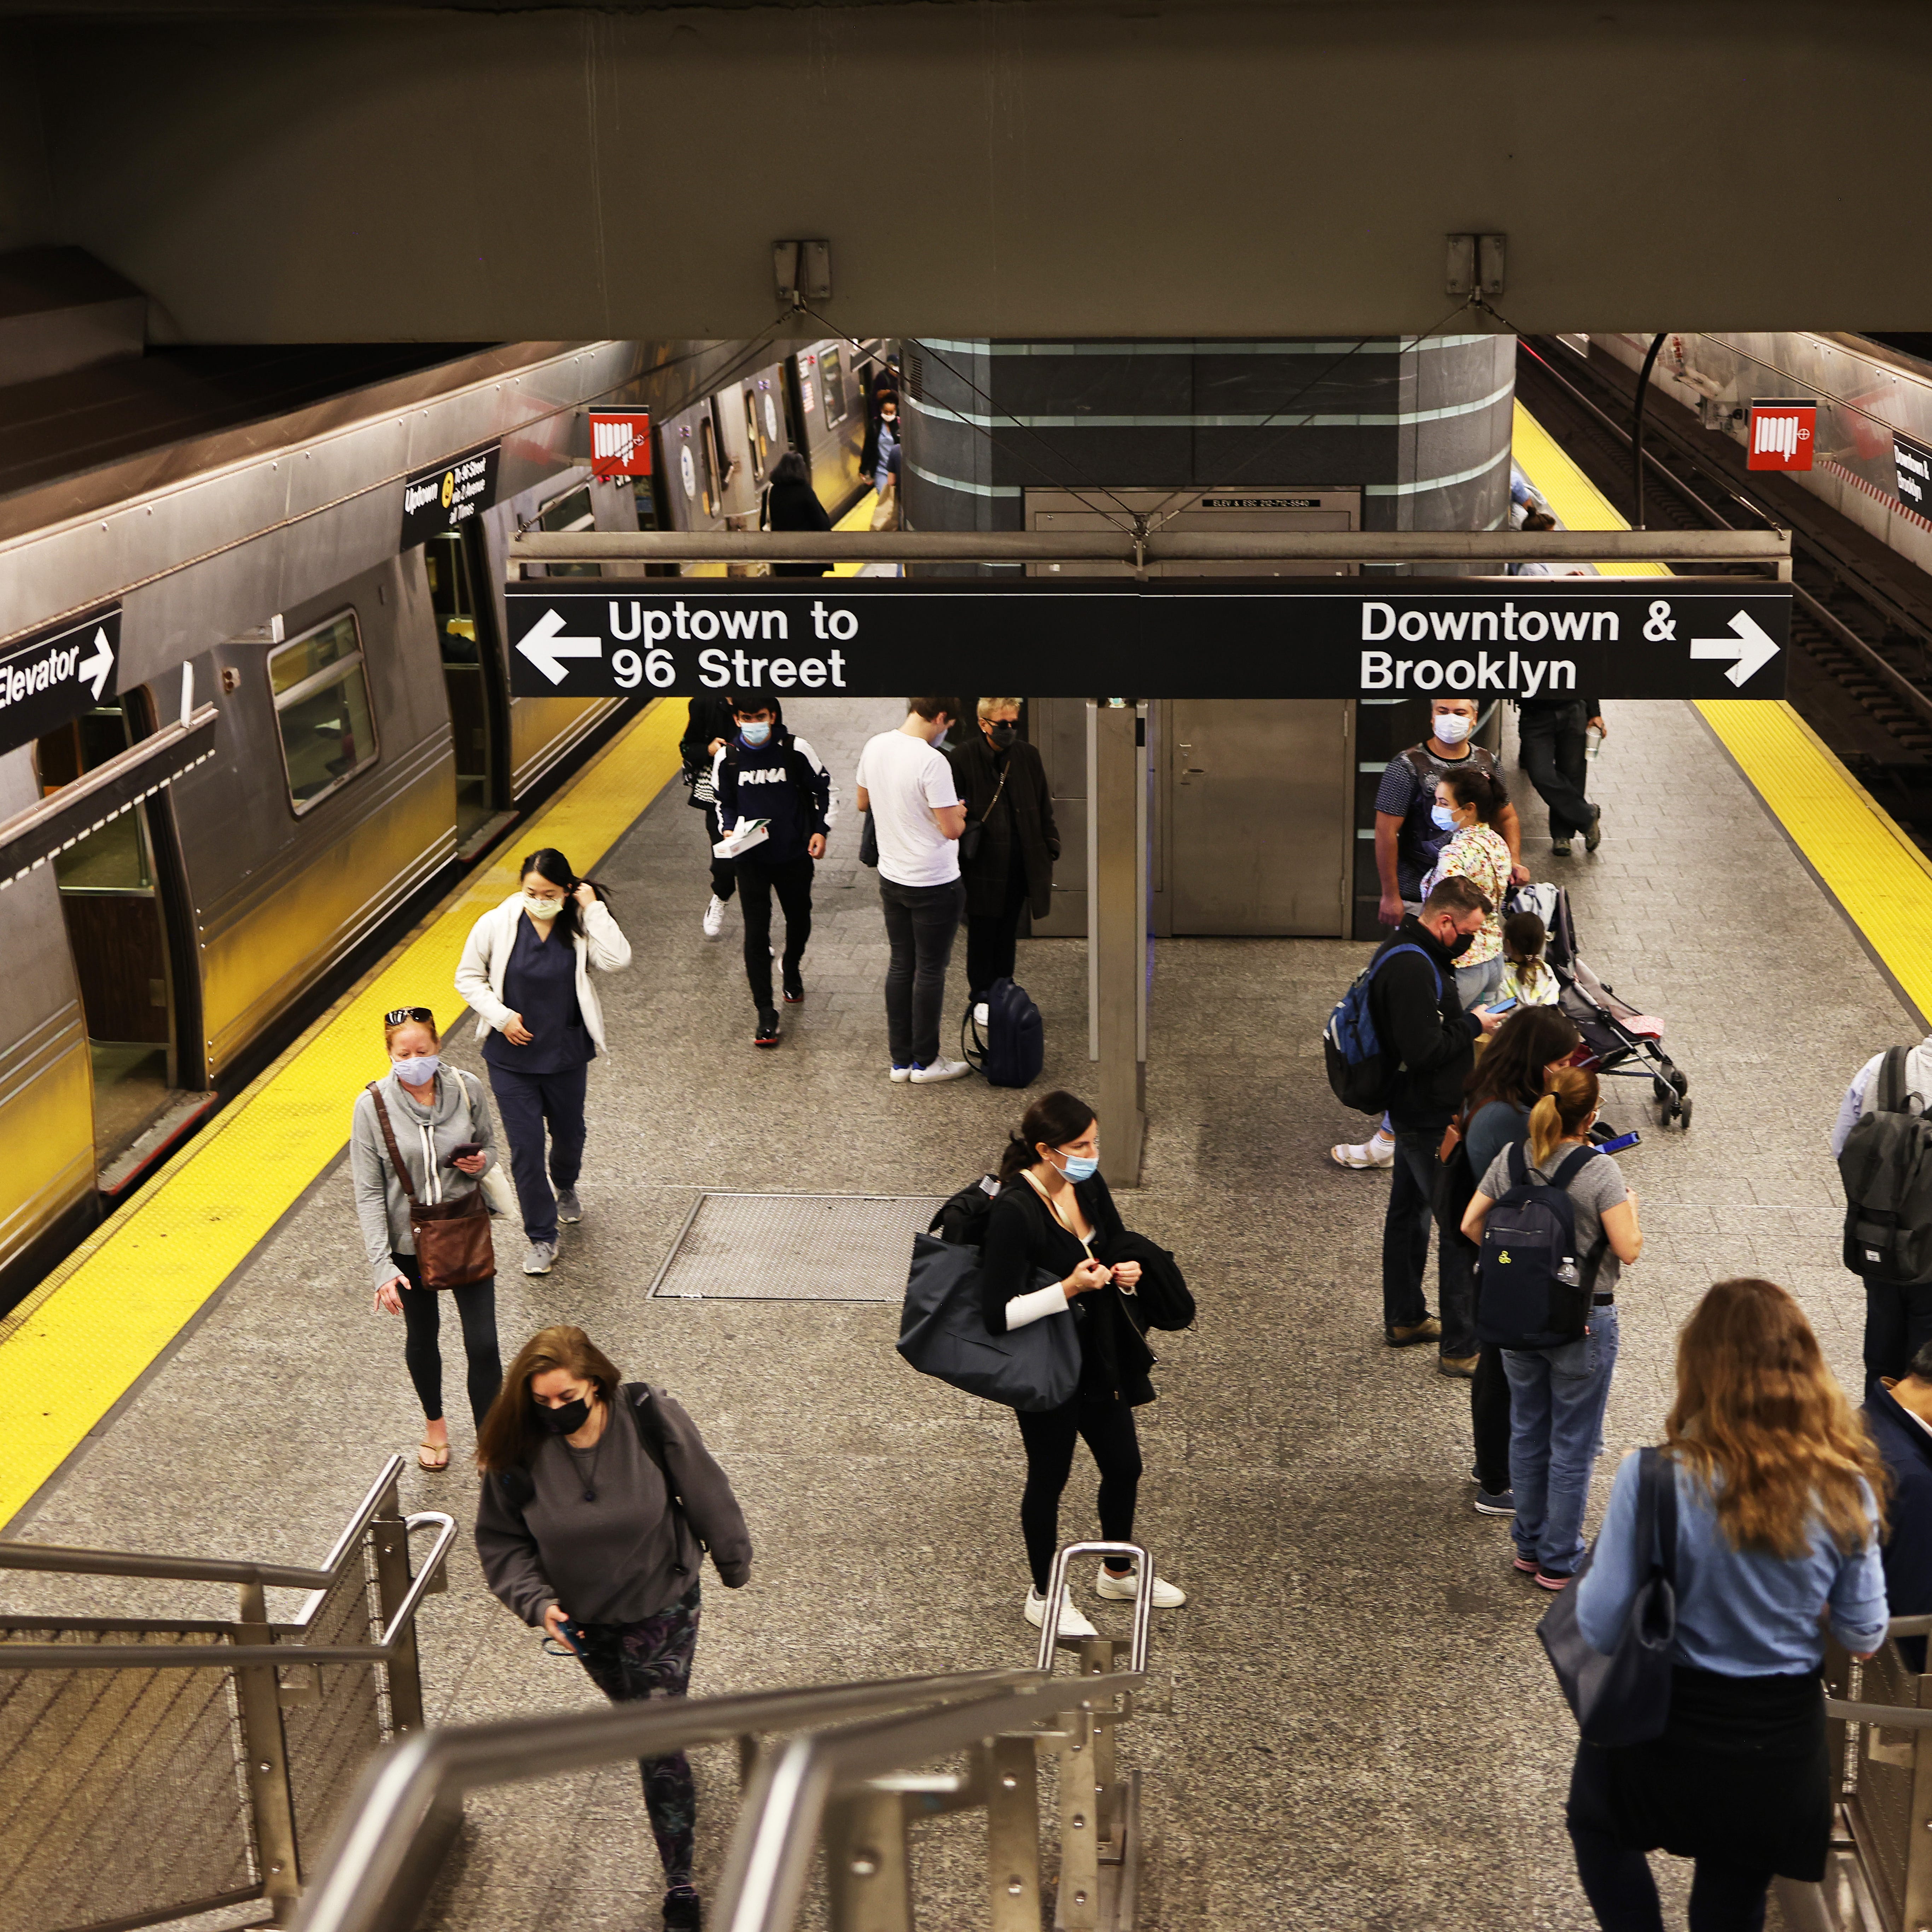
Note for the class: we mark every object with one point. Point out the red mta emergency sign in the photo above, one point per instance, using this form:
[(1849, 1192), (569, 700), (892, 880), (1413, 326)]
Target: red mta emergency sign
[(1783, 435), (620, 443)]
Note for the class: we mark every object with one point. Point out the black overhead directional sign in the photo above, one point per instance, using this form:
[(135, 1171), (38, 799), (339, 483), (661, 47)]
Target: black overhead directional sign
[(56, 674), (1602, 637), (437, 501)]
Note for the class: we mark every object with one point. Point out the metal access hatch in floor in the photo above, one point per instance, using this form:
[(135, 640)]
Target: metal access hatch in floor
[(795, 1247)]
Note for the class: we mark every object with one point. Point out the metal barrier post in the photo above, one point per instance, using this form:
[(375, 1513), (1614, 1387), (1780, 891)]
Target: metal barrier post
[(1079, 1907), (865, 1861), (258, 1692), (1013, 1834), (390, 1536)]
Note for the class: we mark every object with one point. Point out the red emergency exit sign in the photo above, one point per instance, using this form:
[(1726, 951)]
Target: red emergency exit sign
[(1782, 436), (620, 443)]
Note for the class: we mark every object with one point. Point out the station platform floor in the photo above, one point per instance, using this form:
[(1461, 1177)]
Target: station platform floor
[(1363, 1730)]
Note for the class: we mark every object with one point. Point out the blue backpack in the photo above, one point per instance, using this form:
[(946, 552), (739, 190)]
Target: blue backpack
[(1361, 1071), (1012, 1049)]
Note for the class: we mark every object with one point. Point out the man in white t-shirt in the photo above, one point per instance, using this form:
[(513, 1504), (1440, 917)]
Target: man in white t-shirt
[(907, 786)]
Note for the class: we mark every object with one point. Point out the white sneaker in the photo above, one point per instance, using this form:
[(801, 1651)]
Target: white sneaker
[(939, 1070), (1125, 1589), (714, 917), (1377, 1151), (900, 1074), (981, 1017), (1073, 1622)]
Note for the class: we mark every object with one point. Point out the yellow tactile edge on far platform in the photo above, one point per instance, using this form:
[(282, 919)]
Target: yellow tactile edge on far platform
[(1575, 502), (86, 1335)]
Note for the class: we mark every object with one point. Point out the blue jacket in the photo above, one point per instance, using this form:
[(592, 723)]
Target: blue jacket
[(782, 780), (1906, 1447)]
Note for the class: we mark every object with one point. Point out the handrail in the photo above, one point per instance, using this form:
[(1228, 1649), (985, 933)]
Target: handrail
[(393, 1626), (397, 1790), (1056, 1589), (1725, 546)]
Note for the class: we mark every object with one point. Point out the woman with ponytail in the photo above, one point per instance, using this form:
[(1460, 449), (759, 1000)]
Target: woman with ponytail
[(1557, 1395), (1779, 1496)]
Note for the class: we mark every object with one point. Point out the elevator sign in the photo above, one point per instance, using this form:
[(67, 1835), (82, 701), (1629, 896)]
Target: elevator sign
[(56, 674), (1492, 638)]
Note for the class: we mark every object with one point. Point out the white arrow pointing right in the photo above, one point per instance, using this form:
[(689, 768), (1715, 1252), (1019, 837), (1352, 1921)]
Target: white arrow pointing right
[(94, 670), (548, 644), (1751, 645)]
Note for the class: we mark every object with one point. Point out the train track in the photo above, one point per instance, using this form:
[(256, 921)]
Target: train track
[(1860, 669)]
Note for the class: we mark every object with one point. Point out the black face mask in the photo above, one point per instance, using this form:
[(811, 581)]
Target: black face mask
[(1460, 944), (566, 1421), (1002, 735)]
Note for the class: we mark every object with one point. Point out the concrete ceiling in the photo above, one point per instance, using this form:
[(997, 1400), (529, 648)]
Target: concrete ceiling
[(1029, 168)]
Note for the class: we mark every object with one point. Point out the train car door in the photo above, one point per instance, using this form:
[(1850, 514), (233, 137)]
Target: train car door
[(455, 565), (694, 469), (112, 884), (831, 425)]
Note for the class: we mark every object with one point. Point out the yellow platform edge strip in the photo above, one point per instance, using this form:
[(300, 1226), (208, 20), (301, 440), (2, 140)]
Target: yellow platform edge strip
[(1881, 880), (86, 1335)]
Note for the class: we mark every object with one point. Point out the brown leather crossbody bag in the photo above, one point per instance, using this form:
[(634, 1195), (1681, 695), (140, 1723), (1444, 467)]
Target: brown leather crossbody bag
[(452, 1238)]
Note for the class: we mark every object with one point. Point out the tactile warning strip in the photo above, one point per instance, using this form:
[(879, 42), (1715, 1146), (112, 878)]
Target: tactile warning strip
[(795, 1247)]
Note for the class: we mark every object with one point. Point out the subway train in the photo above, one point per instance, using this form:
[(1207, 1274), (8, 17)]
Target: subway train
[(276, 650)]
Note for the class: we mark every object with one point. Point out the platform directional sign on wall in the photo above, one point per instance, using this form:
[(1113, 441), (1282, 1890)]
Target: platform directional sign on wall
[(56, 674), (1522, 637)]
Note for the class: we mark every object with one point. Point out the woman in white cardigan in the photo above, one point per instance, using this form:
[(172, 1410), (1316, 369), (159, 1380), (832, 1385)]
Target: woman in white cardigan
[(525, 972)]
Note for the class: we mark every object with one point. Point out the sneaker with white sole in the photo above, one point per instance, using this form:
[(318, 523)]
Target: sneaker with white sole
[(1377, 1151), (900, 1073), (568, 1208), (1125, 1589), (714, 917), (939, 1070), (1073, 1621), (540, 1257)]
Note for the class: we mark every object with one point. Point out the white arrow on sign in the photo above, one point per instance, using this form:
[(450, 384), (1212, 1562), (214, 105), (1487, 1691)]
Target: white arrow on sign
[(94, 670), (1751, 645), (548, 645)]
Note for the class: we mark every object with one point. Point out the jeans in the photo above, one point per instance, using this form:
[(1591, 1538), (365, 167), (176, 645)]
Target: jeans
[(1477, 985), (1456, 1258), (422, 1352), (1551, 745), (757, 882), (920, 922), (1556, 1417), (652, 1658), (1405, 1231), (1489, 1421), (1898, 1323), (723, 871), (527, 1102), (1106, 1424), (992, 939)]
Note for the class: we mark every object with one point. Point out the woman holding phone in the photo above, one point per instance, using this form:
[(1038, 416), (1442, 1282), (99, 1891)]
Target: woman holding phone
[(440, 1121), (525, 972)]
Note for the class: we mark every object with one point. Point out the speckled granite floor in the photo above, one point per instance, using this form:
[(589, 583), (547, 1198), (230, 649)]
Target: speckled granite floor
[(1363, 1732)]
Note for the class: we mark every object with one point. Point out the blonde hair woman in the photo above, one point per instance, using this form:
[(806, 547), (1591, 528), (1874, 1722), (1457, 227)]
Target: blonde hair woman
[(1779, 1514), (1557, 1395)]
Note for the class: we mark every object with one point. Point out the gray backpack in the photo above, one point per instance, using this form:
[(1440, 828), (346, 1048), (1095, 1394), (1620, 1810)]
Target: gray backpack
[(942, 1332), (1887, 1169)]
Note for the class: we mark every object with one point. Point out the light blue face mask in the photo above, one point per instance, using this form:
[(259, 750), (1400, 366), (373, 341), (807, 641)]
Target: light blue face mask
[(418, 1070), (755, 735), (1081, 1166), (1445, 819)]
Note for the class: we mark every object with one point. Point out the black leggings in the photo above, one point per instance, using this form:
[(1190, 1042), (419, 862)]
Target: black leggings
[(1622, 1893), (1106, 1425), (422, 1320)]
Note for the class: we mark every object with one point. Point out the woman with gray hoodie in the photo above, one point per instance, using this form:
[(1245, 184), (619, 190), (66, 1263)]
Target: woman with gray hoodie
[(441, 1123)]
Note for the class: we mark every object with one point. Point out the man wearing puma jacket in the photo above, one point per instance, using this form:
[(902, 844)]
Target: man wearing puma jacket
[(764, 772)]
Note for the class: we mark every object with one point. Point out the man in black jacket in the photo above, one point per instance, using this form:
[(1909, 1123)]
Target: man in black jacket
[(1418, 1018), (1899, 1414)]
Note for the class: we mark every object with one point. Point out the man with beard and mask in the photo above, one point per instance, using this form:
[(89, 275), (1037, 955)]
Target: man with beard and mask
[(1419, 1019), (1003, 783), (764, 772)]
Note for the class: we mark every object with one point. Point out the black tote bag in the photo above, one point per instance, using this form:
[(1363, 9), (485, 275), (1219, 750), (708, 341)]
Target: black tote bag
[(942, 1333), (1624, 1698)]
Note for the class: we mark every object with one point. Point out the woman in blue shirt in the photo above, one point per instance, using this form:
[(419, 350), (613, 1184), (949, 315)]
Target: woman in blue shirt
[(1778, 1523)]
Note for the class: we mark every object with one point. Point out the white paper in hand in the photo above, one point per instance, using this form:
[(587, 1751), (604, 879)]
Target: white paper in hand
[(749, 833)]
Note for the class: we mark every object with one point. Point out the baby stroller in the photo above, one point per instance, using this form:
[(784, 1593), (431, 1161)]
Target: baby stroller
[(1619, 1042)]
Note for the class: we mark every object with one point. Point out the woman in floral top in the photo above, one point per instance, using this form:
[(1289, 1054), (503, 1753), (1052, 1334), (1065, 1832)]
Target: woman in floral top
[(1467, 804)]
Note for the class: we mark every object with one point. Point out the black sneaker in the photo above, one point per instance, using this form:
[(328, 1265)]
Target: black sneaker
[(767, 1034), (1495, 1502), (1594, 837), (794, 989), (682, 1911)]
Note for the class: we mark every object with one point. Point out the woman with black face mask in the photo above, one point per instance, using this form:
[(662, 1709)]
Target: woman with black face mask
[(599, 1500), (1008, 865)]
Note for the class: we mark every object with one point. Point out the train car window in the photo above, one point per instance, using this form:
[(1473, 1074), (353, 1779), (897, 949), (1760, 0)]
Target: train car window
[(571, 511), (451, 597), (832, 371), (113, 857), (322, 709)]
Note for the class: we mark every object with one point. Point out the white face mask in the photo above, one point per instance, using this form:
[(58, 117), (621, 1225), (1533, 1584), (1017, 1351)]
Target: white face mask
[(1451, 728), (538, 908), (418, 1070)]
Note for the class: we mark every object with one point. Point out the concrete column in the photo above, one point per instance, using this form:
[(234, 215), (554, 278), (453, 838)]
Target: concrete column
[(1117, 878)]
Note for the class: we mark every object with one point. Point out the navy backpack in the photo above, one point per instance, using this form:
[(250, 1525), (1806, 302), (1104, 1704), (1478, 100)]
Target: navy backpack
[(1359, 1069), (1534, 1288), (1012, 1049)]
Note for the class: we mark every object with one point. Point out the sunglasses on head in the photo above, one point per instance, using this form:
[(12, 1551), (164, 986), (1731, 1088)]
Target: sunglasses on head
[(402, 1016)]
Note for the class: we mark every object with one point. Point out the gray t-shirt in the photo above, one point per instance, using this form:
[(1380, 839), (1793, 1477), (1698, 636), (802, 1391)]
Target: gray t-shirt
[(1598, 1184)]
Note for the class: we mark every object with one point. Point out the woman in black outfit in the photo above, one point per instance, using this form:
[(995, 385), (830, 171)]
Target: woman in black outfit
[(1054, 1212), (792, 504)]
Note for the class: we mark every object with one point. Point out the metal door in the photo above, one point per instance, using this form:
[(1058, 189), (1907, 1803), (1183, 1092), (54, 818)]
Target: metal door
[(1258, 823)]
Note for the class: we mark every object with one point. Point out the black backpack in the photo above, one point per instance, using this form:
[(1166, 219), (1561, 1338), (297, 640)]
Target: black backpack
[(962, 1219), (1534, 1288), (1012, 1049), (1886, 1166)]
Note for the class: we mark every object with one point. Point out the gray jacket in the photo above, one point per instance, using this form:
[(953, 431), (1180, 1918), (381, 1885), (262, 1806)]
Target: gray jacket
[(461, 1114)]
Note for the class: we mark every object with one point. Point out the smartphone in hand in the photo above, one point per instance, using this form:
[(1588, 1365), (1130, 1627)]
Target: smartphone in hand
[(1631, 1139), (469, 1150), (1502, 1006)]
